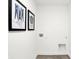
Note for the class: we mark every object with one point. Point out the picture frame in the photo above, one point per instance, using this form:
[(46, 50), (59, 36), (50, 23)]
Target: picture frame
[(16, 16), (31, 21)]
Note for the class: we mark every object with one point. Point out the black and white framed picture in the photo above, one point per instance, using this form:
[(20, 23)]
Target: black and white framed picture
[(17, 16), (31, 20)]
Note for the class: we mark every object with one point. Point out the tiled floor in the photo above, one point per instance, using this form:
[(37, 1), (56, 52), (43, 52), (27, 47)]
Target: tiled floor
[(52, 57)]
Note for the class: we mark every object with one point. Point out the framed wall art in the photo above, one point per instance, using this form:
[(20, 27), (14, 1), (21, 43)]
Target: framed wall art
[(17, 16), (31, 20)]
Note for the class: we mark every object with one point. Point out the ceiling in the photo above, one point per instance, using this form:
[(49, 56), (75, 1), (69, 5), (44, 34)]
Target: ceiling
[(52, 2)]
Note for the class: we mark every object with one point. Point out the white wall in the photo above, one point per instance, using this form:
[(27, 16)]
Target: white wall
[(22, 45), (54, 22)]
